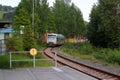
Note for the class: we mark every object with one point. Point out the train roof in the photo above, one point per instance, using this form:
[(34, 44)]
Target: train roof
[(55, 34)]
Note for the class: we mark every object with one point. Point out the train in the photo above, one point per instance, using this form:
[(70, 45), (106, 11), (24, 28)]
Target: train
[(54, 39)]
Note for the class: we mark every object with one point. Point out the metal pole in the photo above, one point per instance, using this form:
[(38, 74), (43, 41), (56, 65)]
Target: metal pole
[(10, 60), (33, 61), (2, 47), (33, 19), (55, 59)]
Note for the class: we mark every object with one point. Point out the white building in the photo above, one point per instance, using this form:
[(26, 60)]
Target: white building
[(4, 34)]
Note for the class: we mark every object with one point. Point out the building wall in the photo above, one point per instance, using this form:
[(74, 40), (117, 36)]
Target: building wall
[(1, 36)]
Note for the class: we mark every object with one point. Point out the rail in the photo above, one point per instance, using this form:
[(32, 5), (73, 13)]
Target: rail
[(94, 72)]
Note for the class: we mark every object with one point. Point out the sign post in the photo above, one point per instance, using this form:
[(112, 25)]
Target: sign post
[(33, 52)]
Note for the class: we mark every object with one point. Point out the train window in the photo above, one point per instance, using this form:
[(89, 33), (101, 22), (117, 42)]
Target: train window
[(51, 37)]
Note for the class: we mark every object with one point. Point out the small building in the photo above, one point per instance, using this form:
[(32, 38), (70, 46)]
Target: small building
[(5, 32)]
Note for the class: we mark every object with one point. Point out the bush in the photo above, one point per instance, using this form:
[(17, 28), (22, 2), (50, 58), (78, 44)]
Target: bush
[(78, 48), (108, 55), (102, 54), (14, 44), (4, 62), (113, 56), (86, 48)]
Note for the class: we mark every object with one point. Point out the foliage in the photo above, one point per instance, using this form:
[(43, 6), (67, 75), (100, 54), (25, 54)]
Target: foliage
[(104, 24), (46, 16), (43, 18), (61, 18), (28, 39), (88, 52), (79, 48), (27, 32), (4, 62), (109, 55), (14, 44), (68, 19)]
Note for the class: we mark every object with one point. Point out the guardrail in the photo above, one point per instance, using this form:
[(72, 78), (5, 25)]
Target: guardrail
[(26, 52)]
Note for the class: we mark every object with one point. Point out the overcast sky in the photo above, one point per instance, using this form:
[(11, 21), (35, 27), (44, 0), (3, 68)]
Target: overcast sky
[(84, 5)]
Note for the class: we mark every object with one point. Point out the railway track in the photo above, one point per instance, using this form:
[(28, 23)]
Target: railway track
[(96, 73)]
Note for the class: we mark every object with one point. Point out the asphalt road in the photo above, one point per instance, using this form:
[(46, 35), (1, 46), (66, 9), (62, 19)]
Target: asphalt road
[(44, 73)]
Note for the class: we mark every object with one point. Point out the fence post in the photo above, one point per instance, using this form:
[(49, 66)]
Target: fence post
[(34, 61), (10, 60), (55, 59)]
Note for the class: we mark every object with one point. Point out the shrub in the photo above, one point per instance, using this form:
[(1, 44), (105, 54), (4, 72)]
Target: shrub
[(108, 55), (86, 48), (81, 48), (14, 44), (113, 56), (4, 62)]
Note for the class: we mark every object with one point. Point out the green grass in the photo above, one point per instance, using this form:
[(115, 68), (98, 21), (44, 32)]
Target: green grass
[(80, 50), (4, 61), (86, 51)]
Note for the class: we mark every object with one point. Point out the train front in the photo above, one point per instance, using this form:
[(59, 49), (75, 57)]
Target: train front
[(51, 40)]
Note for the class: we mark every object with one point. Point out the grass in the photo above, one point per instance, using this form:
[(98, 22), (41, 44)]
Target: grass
[(86, 51), (82, 51), (4, 61)]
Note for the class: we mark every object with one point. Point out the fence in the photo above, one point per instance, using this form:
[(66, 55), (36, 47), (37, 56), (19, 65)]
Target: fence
[(32, 59)]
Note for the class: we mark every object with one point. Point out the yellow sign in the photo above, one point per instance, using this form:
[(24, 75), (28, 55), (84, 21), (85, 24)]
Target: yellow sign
[(33, 51)]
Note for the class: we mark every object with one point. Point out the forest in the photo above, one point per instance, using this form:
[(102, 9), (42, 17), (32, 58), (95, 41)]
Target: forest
[(103, 29)]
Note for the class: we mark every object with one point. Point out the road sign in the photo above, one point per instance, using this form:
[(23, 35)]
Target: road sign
[(33, 51)]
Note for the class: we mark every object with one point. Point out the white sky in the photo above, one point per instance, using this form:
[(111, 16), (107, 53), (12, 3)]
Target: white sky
[(84, 5)]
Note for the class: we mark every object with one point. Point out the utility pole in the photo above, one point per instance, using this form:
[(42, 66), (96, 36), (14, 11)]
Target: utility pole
[(33, 18)]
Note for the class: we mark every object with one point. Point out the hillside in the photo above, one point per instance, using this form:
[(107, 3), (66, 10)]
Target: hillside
[(6, 12)]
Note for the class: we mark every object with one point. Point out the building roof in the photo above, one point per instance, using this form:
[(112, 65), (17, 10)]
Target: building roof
[(6, 30)]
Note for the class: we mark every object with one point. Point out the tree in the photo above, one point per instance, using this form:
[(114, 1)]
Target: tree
[(93, 34), (28, 39), (68, 19), (22, 19), (105, 25)]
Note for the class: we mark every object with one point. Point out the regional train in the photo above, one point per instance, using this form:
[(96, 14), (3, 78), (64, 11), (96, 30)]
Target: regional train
[(55, 40)]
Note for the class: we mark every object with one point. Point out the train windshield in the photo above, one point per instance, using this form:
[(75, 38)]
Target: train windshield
[(51, 37)]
